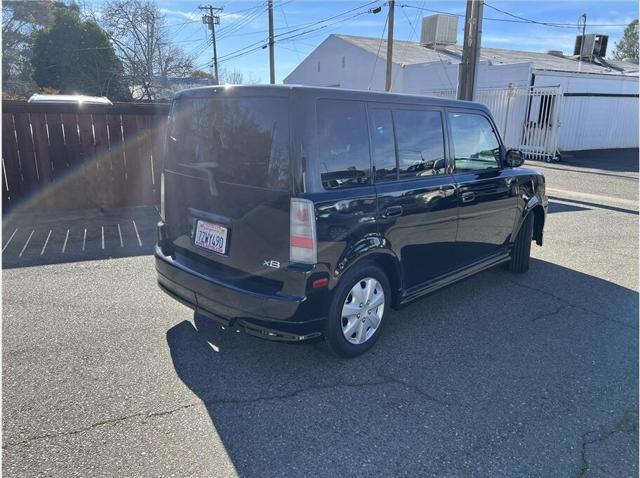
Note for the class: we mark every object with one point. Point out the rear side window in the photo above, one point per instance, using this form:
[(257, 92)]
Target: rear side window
[(420, 138), (238, 140), (343, 144), (475, 145), (383, 143)]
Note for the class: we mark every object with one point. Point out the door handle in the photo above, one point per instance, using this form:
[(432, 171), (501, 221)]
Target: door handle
[(468, 197), (392, 211)]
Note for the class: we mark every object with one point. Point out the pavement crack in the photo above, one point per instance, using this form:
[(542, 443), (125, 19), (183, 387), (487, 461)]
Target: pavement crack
[(242, 401), (549, 314), (415, 388), (206, 403), (628, 423), (570, 304), (110, 421)]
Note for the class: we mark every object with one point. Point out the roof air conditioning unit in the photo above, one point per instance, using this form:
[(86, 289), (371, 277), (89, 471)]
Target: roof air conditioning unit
[(439, 30), (557, 53), (593, 44)]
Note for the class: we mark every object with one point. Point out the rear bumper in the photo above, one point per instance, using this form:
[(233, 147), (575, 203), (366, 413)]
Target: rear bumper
[(273, 317)]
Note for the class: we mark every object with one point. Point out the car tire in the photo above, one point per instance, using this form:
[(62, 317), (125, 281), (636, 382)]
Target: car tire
[(521, 251), (338, 334)]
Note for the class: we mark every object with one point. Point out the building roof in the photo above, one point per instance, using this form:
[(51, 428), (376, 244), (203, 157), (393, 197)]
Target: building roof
[(412, 53)]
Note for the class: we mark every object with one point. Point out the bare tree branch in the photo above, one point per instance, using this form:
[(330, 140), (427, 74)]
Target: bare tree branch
[(142, 41)]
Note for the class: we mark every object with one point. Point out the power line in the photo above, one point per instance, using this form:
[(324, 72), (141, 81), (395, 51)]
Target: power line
[(554, 24), (296, 34), (304, 34), (375, 64), (299, 26), (304, 25), (514, 19), (233, 27), (284, 17), (414, 32), (232, 57), (322, 27)]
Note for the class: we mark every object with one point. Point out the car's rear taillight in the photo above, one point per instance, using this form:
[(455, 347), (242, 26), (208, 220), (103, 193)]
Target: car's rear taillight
[(302, 237)]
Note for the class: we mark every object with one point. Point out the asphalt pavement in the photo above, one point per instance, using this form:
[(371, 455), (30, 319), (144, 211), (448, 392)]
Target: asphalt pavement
[(499, 375)]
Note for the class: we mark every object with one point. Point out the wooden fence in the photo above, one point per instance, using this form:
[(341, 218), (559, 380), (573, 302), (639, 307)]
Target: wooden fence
[(79, 157)]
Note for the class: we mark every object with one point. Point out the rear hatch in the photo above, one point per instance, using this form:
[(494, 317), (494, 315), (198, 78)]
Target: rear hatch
[(226, 185)]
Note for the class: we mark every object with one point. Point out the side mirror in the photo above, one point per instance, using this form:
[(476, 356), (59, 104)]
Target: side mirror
[(514, 158)]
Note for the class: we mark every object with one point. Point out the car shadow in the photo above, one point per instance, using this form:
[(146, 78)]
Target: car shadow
[(496, 371), (556, 207), (576, 205)]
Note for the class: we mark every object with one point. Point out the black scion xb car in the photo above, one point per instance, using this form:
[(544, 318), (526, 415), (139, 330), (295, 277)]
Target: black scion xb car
[(296, 213)]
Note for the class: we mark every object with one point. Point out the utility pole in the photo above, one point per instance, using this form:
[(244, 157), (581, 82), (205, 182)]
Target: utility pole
[(272, 65), (470, 50), (212, 20), (583, 20), (387, 83)]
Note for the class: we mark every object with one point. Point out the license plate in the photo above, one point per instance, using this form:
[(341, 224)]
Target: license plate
[(211, 237)]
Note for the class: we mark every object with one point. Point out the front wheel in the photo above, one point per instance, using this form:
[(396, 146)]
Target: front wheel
[(356, 316), (521, 252)]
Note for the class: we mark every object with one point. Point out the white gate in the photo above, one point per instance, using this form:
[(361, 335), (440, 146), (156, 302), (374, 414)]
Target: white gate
[(526, 116)]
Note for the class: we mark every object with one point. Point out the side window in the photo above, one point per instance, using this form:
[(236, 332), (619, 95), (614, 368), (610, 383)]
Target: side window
[(384, 149), (343, 144), (420, 143), (475, 146)]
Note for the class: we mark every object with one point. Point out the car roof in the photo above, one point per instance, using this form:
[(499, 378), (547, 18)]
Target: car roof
[(69, 99), (325, 93)]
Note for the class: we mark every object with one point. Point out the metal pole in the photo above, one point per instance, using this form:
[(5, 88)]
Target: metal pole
[(470, 50), (387, 84), (215, 51), (583, 17), (211, 21), (272, 66)]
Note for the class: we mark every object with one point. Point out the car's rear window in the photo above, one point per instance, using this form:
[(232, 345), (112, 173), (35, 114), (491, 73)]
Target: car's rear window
[(240, 140)]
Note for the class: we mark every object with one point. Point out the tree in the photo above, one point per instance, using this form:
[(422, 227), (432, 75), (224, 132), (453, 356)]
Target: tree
[(627, 47), (233, 77), (19, 20), (75, 56), (142, 41)]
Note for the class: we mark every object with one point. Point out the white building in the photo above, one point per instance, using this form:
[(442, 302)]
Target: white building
[(543, 100)]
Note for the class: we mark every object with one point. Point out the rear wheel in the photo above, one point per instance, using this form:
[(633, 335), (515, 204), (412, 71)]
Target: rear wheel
[(360, 304), (521, 252)]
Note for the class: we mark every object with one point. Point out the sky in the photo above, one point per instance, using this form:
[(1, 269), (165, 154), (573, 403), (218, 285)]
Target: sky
[(301, 25)]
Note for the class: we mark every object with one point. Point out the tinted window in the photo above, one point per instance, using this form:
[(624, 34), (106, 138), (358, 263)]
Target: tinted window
[(420, 143), (384, 149), (240, 140), (475, 145), (343, 144)]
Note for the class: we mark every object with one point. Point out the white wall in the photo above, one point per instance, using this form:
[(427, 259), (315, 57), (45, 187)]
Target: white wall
[(436, 76), (360, 71), (595, 122), (422, 79), (586, 122)]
